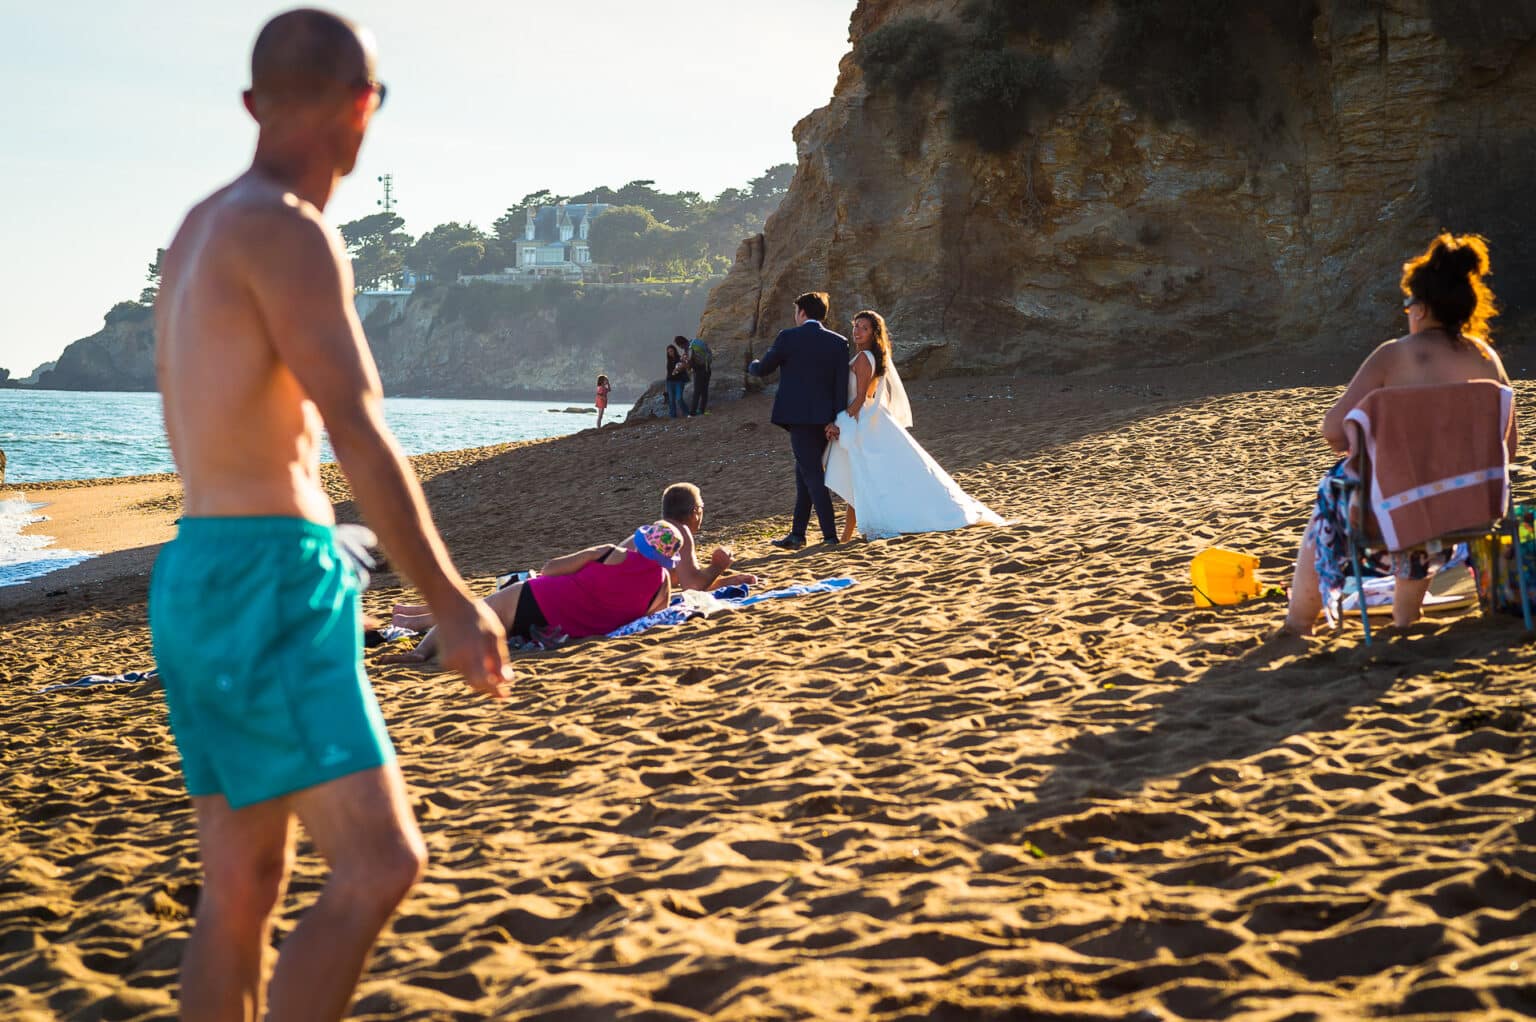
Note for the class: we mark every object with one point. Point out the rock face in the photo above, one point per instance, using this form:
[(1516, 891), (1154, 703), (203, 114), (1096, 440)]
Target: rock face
[(121, 356), (37, 373), (1112, 234), (488, 340), (484, 340)]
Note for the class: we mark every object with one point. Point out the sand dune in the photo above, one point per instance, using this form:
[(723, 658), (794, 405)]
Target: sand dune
[(1013, 773)]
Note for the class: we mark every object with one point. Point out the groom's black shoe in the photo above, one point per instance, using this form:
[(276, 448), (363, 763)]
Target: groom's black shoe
[(790, 542)]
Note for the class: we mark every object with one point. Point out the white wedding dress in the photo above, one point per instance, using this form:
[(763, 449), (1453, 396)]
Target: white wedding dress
[(893, 484)]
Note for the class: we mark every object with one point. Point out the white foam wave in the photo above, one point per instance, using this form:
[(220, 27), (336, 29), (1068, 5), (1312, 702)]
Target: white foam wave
[(25, 556)]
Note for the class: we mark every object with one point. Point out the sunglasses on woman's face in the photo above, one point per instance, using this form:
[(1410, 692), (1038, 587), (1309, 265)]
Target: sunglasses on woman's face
[(1410, 302)]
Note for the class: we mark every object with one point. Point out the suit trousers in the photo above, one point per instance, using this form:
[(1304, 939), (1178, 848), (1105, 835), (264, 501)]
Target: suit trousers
[(809, 444)]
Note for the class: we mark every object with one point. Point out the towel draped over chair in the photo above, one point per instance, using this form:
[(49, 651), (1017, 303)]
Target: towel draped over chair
[(1436, 459)]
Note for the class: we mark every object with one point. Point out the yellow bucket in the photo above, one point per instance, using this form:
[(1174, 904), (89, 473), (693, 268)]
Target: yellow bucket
[(1224, 576)]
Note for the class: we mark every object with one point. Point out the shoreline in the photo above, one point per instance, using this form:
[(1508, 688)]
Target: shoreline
[(533, 397), (120, 522)]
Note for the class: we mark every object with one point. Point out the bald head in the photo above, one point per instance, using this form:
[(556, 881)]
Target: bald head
[(305, 56)]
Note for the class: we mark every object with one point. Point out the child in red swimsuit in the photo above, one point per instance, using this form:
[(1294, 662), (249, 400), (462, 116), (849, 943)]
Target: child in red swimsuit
[(602, 399)]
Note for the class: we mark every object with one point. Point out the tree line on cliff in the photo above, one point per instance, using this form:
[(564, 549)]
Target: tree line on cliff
[(646, 234)]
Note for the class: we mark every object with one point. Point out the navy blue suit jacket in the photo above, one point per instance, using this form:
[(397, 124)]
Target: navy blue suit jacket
[(813, 374)]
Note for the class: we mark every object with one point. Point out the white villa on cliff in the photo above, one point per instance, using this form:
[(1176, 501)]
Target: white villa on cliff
[(554, 241)]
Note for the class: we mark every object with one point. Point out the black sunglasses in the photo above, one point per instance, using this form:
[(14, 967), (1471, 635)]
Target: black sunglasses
[(1410, 302), (377, 87)]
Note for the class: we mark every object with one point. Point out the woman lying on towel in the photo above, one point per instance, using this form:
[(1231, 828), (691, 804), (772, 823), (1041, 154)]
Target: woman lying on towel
[(1448, 305), (590, 592)]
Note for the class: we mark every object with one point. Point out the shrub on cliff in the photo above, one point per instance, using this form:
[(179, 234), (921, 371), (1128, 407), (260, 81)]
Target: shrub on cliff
[(1048, 20), (1196, 60), (480, 304), (902, 55), (992, 94), (128, 312)]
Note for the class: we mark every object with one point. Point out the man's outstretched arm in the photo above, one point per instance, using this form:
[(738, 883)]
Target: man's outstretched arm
[(771, 360), (302, 283)]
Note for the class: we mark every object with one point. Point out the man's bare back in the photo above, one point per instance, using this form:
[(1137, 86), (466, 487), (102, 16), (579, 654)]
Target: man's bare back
[(254, 608), (245, 435)]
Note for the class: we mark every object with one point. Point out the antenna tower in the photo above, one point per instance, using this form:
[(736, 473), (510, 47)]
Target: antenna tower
[(388, 202)]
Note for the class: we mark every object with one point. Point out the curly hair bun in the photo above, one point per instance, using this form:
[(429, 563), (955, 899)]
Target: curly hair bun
[(1448, 277), (1464, 256)]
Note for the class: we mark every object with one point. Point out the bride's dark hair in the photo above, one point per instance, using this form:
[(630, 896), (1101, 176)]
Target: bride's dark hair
[(881, 348)]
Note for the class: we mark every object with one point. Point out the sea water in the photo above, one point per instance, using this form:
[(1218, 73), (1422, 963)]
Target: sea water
[(54, 435)]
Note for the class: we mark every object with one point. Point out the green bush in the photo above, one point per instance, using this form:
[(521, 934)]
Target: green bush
[(1048, 20), (481, 303), (903, 54), (1196, 60), (992, 94), (128, 312)]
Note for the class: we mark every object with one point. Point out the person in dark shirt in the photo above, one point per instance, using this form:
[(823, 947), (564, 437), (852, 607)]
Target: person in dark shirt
[(700, 361), (677, 376)]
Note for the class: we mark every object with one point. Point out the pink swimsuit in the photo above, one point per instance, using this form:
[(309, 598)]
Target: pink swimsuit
[(600, 597)]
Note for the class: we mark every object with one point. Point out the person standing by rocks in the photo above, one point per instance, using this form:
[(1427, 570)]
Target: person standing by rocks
[(677, 376), (700, 360)]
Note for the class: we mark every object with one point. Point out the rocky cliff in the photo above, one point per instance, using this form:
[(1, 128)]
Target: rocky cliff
[(120, 356), (1140, 182), (481, 340), (487, 340)]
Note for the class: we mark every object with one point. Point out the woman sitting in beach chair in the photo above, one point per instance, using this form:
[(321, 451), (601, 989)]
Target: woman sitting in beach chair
[(1448, 305), (589, 592)]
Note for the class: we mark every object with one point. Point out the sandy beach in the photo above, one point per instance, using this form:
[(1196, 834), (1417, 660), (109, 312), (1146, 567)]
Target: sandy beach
[(1012, 773)]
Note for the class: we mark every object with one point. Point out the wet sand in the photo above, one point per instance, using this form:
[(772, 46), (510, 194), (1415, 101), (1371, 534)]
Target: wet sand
[(1013, 773)]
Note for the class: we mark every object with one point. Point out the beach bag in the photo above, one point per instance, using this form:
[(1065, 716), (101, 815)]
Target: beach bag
[(1493, 566)]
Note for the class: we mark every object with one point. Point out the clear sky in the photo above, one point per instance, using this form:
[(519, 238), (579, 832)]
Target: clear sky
[(117, 115)]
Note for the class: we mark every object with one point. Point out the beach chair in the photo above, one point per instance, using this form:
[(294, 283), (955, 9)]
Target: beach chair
[(1404, 492)]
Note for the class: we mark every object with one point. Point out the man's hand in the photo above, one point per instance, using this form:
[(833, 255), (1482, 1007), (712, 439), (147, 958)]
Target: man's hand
[(472, 643), (832, 431), (720, 558)]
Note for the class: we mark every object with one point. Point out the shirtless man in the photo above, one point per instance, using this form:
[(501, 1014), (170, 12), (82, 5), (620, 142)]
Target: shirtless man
[(683, 504), (253, 608)]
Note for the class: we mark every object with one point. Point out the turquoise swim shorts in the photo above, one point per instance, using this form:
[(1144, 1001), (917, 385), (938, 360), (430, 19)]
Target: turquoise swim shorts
[(258, 638)]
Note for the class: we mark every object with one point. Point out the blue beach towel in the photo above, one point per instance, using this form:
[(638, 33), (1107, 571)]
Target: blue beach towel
[(93, 680), (690, 605)]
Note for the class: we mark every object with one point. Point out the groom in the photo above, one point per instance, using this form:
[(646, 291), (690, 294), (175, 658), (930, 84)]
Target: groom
[(813, 388)]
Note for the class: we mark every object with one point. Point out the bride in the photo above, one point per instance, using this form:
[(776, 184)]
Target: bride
[(889, 482)]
